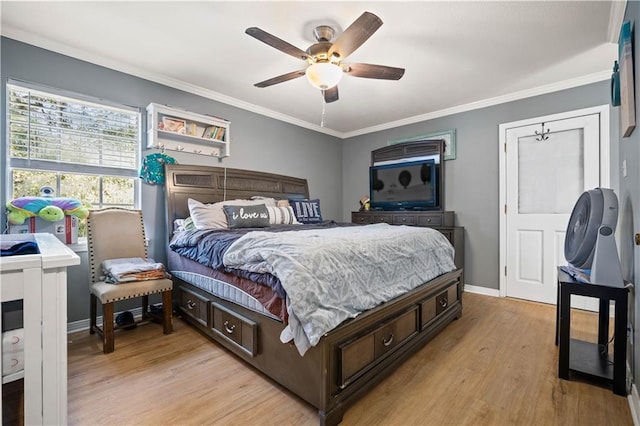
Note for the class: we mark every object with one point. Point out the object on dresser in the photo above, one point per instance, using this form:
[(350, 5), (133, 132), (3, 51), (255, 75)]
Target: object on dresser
[(404, 185), (59, 216), (365, 203), (16, 248), (51, 209), (407, 176)]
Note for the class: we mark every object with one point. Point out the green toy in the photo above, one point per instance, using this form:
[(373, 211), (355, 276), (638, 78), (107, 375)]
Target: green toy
[(51, 209)]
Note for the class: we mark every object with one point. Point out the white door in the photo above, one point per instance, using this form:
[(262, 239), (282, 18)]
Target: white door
[(546, 169)]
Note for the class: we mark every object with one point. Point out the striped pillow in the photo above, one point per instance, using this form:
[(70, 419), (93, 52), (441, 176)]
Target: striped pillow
[(282, 215)]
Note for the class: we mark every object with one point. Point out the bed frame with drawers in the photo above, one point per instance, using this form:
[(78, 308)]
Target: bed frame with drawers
[(349, 360)]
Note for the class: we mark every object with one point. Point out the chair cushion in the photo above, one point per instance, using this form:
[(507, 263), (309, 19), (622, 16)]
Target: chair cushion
[(113, 292)]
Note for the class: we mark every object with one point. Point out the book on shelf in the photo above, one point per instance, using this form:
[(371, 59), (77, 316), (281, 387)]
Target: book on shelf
[(192, 129), (214, 132)]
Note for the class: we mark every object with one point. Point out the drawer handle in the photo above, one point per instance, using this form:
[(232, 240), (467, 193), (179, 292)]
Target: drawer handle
[(229, 327), (388, 340), (444, 302), (191, 304), (428, 219), (404, 219)]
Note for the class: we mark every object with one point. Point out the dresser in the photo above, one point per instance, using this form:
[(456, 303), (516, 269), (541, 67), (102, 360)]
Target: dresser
[(440, 220), (40, 281)]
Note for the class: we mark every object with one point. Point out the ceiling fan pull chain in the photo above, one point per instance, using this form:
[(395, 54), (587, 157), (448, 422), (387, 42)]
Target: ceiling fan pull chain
[(324, 106)]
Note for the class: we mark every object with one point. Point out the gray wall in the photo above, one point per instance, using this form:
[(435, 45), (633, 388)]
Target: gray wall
[(337, 170), (471, 180), (258, 142), (629, 198)]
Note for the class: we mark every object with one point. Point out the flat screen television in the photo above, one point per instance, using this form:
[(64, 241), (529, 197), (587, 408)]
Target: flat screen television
[(405, 185)]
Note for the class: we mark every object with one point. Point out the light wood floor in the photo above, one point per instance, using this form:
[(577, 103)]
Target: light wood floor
[(497, 365)]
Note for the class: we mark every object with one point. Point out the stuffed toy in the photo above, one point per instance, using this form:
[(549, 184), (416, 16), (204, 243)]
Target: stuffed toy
[(364, 204), (51, 209)]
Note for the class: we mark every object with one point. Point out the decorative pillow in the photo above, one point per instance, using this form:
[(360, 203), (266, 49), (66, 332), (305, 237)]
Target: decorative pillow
[(282, 215), (188, 224), (247, 216), (307, 211), (206, 216), (181, 225), (283, 203), (267, 201), (178, 225)]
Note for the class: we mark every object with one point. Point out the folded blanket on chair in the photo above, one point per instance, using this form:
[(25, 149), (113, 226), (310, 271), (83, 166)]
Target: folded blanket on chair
[(129, 269)]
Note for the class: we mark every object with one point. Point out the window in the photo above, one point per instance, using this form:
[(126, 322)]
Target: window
[(84, 149)]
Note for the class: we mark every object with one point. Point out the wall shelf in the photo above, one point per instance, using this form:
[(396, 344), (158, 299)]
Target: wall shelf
[(175, 129)]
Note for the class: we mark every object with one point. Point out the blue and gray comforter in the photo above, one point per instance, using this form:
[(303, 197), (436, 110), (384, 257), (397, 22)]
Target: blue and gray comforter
[(207, 246), (330, 275)]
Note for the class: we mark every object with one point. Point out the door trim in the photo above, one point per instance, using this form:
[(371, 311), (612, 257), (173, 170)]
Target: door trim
[(605, 169)]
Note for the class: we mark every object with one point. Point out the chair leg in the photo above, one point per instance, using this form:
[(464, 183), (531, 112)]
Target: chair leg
[(107, 328), (93, 306), (145, 307), (167, 321)]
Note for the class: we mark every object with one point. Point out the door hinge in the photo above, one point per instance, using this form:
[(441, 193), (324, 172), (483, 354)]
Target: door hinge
[(505, 148), (505, 271), (505, 209)]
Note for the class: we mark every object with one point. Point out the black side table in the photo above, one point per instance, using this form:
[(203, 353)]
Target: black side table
[(585, 357)]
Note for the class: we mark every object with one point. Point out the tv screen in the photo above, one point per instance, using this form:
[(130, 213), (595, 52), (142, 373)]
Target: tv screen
[(404, 185)]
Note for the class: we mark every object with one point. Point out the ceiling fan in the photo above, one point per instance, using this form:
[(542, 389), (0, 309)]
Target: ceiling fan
[(325, 67)]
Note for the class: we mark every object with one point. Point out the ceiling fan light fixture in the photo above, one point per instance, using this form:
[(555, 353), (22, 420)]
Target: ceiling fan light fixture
[(323, 75)]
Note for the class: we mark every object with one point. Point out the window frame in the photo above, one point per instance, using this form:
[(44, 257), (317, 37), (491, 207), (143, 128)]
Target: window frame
[(59, 168)]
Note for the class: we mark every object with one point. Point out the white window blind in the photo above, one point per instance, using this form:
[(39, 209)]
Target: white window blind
[(85, 148), (52, 132)]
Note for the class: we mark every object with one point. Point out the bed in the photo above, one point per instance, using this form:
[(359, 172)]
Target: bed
[(349, 359)]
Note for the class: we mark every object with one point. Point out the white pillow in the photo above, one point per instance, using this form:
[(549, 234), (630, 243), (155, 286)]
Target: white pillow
[(206, 216), (282, 215), (268, 201)]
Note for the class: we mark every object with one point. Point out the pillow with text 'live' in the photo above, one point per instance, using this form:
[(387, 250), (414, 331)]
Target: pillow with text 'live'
[(307, 211)]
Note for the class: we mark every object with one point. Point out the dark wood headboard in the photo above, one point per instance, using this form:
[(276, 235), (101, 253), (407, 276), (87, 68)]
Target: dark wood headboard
[(212, 184)]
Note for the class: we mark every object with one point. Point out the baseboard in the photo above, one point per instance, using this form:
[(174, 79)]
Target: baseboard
[(84, 324), (634, 404), (482, 290)]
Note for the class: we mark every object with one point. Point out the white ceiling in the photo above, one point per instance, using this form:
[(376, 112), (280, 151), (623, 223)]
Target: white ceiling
[(457, 55)]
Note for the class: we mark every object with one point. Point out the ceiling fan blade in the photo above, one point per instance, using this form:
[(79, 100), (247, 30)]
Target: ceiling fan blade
[(374, 71), (280, 79), (357, 33), (277, 43), (331, 94)]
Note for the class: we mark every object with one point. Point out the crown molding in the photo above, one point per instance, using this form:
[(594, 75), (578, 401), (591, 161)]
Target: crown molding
[(29, 38), (541, 90), (83, 55), (616, 17)]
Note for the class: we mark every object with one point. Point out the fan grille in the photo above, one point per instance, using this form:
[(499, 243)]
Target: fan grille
[(582, 231)]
